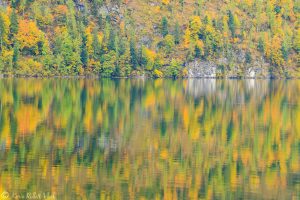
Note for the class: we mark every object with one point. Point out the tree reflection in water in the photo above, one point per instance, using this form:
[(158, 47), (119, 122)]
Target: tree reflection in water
[(185, 139)]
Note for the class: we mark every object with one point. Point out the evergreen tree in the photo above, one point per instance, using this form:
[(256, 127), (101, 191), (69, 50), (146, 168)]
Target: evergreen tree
[(231, 24), (96, 45), (285, 50), (260, 45), (111, 40), (15, 3), (16, 54), (109, 62), (66, 47), (84, 53), (124, 65), (1, 33), (248, 57), (197, 52), (181, 4), (177, 33), (169, 43), (133, 54), (164, 27), (77, 36), (14, 25)]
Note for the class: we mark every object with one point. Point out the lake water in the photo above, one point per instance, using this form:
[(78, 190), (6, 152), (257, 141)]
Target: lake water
[(149, 139)]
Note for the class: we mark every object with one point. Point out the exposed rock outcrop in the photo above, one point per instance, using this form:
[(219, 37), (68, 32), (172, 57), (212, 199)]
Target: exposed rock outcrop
[(202, 69), (222, 68)]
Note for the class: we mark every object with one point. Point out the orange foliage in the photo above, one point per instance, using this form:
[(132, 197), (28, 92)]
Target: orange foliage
[(28, 118), (29, 34), (61, 9)]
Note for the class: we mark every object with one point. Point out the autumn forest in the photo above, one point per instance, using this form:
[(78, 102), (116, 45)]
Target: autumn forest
[(156, 38)]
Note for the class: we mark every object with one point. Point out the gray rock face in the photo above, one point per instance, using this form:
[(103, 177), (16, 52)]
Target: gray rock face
[(222, 68), (258, 69), (253, 72), (202, 69)]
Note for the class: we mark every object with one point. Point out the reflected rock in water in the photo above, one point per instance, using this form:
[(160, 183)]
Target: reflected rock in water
[(234, 91), (201, 87)]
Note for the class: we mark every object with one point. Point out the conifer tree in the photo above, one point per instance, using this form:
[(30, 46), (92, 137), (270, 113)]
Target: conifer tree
[(231, 24), (1, 33), (177, 33), (84, 52), (133, 54), (111, 40), (14, 25), (164, 27), (16, 54), (96, 45)]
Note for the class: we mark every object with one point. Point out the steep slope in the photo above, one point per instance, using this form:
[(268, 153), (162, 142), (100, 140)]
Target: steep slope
[(160, 38)]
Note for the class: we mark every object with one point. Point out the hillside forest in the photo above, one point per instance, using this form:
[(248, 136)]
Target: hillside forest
[(157, 38)]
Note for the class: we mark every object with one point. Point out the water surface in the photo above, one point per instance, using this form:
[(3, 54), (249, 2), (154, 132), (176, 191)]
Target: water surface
[(150, 139)]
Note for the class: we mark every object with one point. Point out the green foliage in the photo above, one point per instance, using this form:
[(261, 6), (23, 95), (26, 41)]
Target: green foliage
[(96, 45), (164, 27), (169, 43), (66, 47), (55, 129), (76, 37), (108, 64), (177, 34), (111, 41), (84, 52), (248, 57), (157, 73), (231, 23), (261, 46), (14, 25), (133, 54), (173, 70), (16, 54), (2, 33)]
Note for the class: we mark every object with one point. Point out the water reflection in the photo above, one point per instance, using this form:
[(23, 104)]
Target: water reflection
[(164, 139)]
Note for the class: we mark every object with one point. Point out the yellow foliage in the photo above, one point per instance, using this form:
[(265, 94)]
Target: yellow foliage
[(157, 73), (185, 72), (185, 117), (254, 181), (248, 2), (89, 38), (28, 65), (100, 37), (6, 24), (5, 135), (276, 54), (187, 38), (165, 2), (88, 118), (164, 154), (233, 176), (150, 100), (28, 118), (180, 179), (195, 25), (29, 34), (150, 55), (7, 56)]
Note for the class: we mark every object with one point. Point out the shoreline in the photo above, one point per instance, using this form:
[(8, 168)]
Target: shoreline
[(143, 77)]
